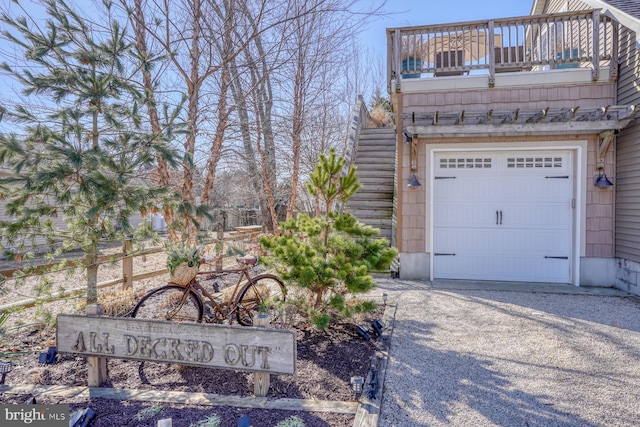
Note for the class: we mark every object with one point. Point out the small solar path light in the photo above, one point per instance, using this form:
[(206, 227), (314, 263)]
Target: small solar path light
[(244, 421), (49, 356), (364, 331), (357, 384), (5, 368), (378, 326)]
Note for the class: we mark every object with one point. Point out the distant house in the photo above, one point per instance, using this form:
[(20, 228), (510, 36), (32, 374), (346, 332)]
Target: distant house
[(517, 146), (58, 223)]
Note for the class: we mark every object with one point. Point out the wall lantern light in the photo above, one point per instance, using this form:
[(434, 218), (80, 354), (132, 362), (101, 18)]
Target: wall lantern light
[(413, 165), (601, 180), (604, 141), (413, 181)]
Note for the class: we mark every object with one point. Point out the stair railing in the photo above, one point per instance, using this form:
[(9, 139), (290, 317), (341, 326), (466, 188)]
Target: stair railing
[(359, 119)]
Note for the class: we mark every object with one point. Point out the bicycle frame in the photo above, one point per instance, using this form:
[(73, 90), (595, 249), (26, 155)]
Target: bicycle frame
[(241, 300), (223, 310)]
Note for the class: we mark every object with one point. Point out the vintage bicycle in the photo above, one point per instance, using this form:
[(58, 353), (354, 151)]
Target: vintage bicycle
[(194, 303)]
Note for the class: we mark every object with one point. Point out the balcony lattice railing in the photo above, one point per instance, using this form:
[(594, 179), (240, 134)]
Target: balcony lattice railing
[(529, 43)]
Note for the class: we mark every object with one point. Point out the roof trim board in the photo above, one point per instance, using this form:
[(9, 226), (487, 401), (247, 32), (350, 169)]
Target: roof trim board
[(624, 18), (549, 121)]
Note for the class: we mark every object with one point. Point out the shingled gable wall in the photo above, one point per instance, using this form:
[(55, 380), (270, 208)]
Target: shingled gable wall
[(504, 99), (598, 235)]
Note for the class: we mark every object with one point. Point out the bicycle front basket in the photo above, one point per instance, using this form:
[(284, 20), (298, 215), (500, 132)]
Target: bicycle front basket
[(183, 274)]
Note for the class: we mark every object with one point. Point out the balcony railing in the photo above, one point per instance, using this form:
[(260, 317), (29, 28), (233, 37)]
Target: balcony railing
[(528, 43)]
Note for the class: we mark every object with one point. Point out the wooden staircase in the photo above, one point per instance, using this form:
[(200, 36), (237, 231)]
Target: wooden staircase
[(375, 159)]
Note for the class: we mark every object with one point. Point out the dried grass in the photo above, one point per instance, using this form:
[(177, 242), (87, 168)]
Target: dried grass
[(116, 302)]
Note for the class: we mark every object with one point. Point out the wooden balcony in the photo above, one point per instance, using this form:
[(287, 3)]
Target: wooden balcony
[(533, 43)]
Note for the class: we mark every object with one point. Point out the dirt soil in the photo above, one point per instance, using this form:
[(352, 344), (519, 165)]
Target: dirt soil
[(326, 362)]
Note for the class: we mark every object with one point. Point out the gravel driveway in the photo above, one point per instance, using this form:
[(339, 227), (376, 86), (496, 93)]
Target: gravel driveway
[(472, 357)]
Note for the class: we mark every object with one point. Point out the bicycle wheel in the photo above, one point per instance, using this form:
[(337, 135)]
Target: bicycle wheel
[(170, 302), (260, 294)]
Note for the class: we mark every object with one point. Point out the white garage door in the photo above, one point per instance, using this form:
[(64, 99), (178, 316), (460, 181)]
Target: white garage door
[(503, 216)]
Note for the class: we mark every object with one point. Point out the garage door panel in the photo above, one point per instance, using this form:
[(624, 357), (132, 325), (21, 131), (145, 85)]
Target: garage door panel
[(502, 242), (541, 243), (463, 189), (504, 215), (459, 215), (508, 268), (542, 215), (508, 219), (527, 188), (457, 240), (554, 268), (461, 267)]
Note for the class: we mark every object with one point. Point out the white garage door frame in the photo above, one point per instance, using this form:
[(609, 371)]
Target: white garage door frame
[(578, 160)]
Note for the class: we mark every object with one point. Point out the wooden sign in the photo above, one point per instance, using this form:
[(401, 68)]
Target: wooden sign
[(216, 346)]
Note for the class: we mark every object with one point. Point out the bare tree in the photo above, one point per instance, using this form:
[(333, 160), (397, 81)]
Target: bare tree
[(255, 100), (163, 178), (320, 45), (234, 48)]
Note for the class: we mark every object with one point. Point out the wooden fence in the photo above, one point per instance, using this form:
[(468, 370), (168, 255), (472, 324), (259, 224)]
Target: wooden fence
[(241, 237)]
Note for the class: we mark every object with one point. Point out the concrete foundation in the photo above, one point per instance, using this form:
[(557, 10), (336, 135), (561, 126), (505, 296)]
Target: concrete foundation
[(594, 272), (599, 272), (628, 276), (414, 266)]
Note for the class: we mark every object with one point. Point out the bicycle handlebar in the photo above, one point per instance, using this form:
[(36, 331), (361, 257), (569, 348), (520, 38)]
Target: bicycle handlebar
[(246, 260)]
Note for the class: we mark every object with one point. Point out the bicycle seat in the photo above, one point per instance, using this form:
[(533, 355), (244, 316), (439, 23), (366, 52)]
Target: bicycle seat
[(248, 260)]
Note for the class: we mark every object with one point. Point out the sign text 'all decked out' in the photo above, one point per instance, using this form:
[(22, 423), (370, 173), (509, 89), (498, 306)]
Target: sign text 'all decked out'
[(220, 346)]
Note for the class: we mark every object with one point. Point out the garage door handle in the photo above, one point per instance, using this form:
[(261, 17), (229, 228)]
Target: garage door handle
[(499, 217)]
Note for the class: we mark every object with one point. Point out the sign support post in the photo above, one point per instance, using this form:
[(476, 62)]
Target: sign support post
[(96, 366), (261, 380)]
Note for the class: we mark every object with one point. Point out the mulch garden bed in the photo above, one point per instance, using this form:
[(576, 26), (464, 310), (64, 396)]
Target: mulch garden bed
[(326, 361)]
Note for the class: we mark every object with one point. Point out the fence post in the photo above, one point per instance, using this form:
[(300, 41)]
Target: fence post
[(127, 264), (96, 366), (261, 380), (220, 237)]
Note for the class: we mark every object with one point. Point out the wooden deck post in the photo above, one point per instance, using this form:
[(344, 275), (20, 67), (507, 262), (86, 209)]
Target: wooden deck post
[(127, 264), (261, 380), (96, 366)]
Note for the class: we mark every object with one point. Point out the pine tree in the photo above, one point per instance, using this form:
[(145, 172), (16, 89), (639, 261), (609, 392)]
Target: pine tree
[(80, 150), (330, 255)]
